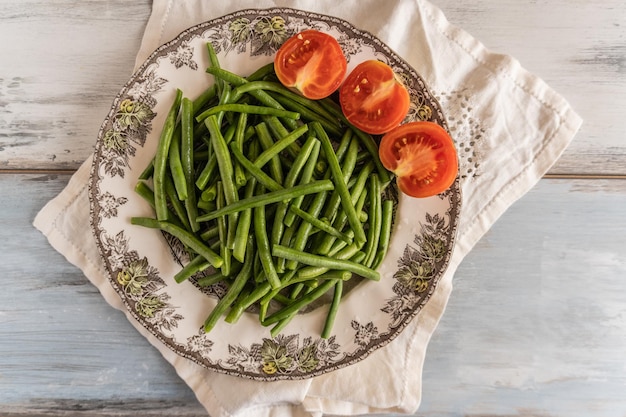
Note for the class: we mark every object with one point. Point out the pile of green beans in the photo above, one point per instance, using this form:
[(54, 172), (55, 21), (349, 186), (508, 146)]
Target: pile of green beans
[(272, 194)]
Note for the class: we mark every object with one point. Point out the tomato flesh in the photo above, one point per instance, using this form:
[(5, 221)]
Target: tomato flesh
[(311, 62), (423, 157), (373, 99)]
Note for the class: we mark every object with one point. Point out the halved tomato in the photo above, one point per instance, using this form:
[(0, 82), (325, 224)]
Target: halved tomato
[(312, 62), (423, 157), (373, 99)]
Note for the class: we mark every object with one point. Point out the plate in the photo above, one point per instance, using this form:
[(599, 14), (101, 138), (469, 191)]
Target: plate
[(141, 263)]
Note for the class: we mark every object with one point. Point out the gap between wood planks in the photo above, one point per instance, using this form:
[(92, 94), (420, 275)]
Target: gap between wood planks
[(547, 176)]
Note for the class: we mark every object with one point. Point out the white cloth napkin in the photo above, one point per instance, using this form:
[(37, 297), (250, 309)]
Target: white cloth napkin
[(509, 128)]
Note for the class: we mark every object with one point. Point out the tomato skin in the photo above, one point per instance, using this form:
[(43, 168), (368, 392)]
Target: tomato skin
[(373, 99), (423, 157), (311, 62)]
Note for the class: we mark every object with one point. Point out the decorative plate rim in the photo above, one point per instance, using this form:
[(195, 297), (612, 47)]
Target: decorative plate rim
[(350, 358)]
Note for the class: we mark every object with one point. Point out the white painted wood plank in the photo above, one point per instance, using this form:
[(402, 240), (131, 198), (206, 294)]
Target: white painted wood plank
[(67, 60), (62, 347), (535, 325), (63, 62), (578, 48)]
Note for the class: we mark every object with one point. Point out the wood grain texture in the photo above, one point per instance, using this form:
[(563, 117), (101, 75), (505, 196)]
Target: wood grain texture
[(68, 60), (63, 349), (63, 62), (533, 329), (538, 328)]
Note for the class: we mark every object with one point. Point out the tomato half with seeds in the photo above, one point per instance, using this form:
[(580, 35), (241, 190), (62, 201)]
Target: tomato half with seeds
[(311, 62), (423, 157), (373, 99)]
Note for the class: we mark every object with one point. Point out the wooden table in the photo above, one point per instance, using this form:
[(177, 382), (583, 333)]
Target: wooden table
[(536, 325)]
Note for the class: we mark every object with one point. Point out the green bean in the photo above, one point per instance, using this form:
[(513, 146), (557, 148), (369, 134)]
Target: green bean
[(215, 247), (240, 177), (219, 111), (160, 161), (262, 96), (233, 291), (375, 215), (178, 208), (271, 152), (197, 264), (269, 198), (215, 63), (261, 72), (263, 247), (305, 230), (361, 182), (310, 150), (356, 191), (243, 225), (206, 96), (244, 303), (332, 311), (186, 150), (207, 174), (317, 260), (308, 109), (212, 279), (340, 184), (209, 233), (306, 114), (311, 105), (186, 238), (298, 304), (366, 140), (256, 172), (227, 76), (147, 171), (326, 275), (176, 166), (385, 233), (225, 166), (222, 228), (315, 222), (265, 139), (347, 167), (339, 245), (210, 193), (279, 131), (360, 202), (285, 240), (296, 290), (207, 206), (305, 178), (282, 323), (247, 108), (147, 194), (310, 272), (359, 257)]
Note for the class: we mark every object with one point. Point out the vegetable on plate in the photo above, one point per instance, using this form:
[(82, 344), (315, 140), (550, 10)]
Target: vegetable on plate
[(373, 99), (271, 194), (423, 157), (311, 62)]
